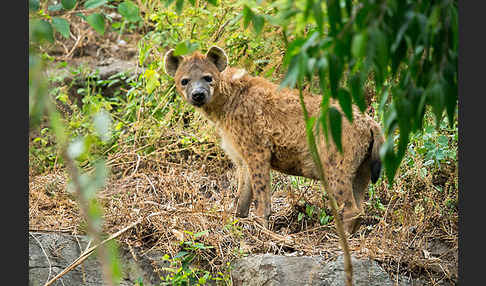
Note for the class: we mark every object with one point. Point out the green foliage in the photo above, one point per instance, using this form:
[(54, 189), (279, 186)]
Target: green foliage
[(97, 21), (181, 270), (129, 10), (61, 25), (42, 26), (313, 212), (402, 45)]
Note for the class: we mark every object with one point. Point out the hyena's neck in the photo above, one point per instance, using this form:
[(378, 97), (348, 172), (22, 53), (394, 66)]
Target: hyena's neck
[(232, 83)]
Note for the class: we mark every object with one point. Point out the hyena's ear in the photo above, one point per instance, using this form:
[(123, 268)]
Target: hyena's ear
[(172, 62), (218, 57)]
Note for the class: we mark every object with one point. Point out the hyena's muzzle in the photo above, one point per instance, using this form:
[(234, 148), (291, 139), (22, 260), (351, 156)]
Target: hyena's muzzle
[(199, 92)]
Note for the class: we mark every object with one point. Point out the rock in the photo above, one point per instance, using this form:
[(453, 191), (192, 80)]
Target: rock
[(63, 249), (273, 270)]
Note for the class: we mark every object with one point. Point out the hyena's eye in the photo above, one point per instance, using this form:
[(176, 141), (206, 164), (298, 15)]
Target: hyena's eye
[(208, 78), (184, 81)]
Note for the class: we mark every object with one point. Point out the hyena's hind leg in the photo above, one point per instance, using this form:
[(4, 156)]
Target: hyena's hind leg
[(361, 181), (245, 193)]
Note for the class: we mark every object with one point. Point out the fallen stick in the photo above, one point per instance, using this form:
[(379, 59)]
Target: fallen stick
[(88, 252)]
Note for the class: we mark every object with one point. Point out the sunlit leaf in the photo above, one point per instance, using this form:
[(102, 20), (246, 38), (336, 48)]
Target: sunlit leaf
[(358, 46), (247, 16), (90, 4), (179, 6), (68, 4), (62, 26), (97, 21), (129, 10), (258, 22), (41, 30)]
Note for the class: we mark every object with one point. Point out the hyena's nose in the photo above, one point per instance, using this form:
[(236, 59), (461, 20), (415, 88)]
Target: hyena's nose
[(198, 95)]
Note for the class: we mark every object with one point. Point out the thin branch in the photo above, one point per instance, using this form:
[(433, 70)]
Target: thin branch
[(90, 251), (348, 268)]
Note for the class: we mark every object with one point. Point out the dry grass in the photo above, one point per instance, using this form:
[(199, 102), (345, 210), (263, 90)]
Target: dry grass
[(180, 188)]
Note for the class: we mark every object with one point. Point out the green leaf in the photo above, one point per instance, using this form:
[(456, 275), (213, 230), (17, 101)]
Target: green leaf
[(357, 92), (349, 7), (380, 56), (34, 5), (54, 8), (247, 16), (90, 4), (213, 2), (41, 30), (324, 113), (389, 160), (179, 6), (322, 69), (336, 127), (345, 102), (97, 21), (62, 26), (129, 10), (68, 4), (435, 95), (181, 254), (335, 73), (358, 46), (201, 233), (258, 22), (300, 216), (185, 47), (443, 140), (334, 13), (114, 261), (292, 74), (152, 80), (318, 16)]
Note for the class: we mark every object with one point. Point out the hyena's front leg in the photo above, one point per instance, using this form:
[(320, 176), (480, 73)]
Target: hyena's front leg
[(342, 188), (259, 171), (245, 194)]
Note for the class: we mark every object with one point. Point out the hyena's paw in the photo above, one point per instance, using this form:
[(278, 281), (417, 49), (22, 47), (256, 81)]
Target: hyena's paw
[(242, 208), (351, 222)]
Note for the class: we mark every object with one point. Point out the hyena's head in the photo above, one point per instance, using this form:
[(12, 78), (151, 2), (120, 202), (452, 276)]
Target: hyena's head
[(197, 76)]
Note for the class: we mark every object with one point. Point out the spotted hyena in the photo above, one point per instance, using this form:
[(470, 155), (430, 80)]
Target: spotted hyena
[(262, 127)]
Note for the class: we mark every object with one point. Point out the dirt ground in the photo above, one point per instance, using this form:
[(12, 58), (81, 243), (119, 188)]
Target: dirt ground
[(176, 190)]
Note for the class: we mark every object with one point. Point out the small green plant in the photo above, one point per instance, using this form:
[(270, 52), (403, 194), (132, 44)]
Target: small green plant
[(313, 212), (181, 270)]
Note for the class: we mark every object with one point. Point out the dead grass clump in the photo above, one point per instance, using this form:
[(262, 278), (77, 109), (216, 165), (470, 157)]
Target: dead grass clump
[(181, 189)]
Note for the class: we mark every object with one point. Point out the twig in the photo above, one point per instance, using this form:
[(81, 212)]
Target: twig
[(150, 182), (348, 268), (136, 166), (90, 251)]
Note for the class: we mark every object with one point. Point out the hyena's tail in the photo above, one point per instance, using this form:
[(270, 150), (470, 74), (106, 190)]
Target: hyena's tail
[(375, 162)]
